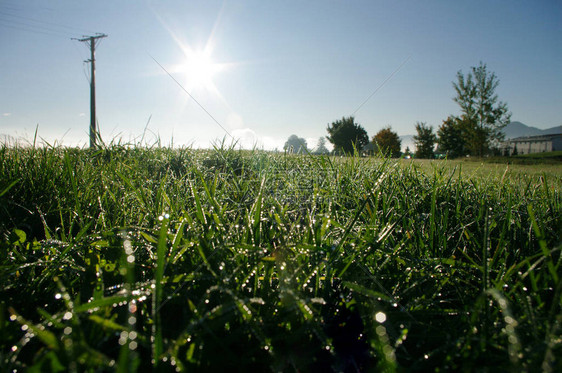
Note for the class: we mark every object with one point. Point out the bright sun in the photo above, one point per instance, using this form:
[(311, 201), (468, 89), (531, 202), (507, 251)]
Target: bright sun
[(199, 70)]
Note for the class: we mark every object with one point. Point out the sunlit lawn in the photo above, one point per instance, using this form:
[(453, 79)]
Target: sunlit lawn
[(133, 259)]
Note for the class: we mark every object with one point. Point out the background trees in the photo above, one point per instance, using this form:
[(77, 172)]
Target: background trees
[(295, 144), (424, 140), (483, 117), (387, 142), (321, 146), (346, 135), (451, 140)]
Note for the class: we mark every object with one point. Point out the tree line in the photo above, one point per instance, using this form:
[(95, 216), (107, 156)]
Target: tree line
[(477, 131)]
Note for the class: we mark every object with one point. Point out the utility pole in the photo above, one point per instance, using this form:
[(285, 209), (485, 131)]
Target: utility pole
[(91, 42)]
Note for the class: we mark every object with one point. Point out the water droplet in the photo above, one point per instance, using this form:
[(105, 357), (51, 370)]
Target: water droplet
[(58, 296), (380, 317)]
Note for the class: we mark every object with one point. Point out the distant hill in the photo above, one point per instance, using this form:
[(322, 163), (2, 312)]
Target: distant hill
[(518, 129), (552, 131)]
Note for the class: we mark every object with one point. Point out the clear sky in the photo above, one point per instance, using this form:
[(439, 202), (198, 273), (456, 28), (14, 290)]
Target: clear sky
[(267, 69)]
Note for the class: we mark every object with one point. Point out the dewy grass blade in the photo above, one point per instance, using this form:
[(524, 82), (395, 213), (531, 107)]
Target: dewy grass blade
[(514, 345), (12, 184), (542, 243), (161, 255)]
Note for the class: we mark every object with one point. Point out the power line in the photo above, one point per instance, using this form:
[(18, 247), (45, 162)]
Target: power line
[(193, 98), (34, 29), (382, 84), (42, 23)]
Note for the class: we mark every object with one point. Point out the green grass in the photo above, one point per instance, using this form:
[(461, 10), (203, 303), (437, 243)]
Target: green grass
[(132, 258), (556, 154), (546, 158)]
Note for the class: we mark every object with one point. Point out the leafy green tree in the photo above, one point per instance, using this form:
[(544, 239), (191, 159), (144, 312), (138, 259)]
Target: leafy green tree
[(425, 141), (387, 142), (451, 139), (295, 144), (482, 113), (321, 146), (346, 135)]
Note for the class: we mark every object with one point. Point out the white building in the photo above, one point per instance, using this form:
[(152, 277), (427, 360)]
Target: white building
[(534, 144)]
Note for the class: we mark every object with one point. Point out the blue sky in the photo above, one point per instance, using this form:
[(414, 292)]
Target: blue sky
[(272, 68)]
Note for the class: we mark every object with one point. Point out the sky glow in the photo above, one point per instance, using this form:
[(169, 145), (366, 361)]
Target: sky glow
[(267, 70)]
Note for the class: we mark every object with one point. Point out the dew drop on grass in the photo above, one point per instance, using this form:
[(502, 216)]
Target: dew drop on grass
[(13, 317), (58, 296), (24, 328), (14, 348), (67, 330), (380, 317)]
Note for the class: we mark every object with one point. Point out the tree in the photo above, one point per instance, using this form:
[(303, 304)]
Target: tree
[(484, 115), (321, 146), (295, 144), (387, 142), (346, 135), (451, 140), (425, 141)]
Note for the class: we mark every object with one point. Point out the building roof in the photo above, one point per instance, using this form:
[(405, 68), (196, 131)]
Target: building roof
[(536, 138)]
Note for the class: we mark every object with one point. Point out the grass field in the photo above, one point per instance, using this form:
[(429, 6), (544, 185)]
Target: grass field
[(127, 259)]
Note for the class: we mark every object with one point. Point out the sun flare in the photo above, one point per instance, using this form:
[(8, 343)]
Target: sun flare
[(199, 70)]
